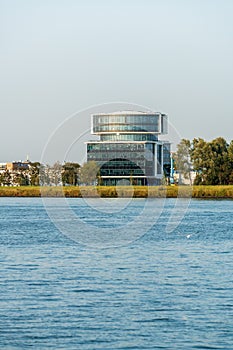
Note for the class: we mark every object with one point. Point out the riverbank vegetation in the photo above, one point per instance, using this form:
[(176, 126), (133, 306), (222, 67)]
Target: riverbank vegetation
[(116, 192), (196, 162), (211, 161)]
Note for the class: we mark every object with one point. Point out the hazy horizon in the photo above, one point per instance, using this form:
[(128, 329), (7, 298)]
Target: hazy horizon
[(57, 58)]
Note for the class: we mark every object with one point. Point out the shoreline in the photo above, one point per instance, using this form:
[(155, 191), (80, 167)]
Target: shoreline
[(208, 192)]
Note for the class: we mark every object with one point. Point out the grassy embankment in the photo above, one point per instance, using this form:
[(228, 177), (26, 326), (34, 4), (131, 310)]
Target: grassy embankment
[(111, 191)]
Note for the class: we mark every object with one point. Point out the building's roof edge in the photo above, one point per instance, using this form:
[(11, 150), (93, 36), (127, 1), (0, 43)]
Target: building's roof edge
[(129, 112)]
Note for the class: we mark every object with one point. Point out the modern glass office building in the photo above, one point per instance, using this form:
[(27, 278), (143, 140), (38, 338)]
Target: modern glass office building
[(129, 148)]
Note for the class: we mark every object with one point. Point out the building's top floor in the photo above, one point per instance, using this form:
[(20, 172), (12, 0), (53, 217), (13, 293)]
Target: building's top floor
[(129, 122)]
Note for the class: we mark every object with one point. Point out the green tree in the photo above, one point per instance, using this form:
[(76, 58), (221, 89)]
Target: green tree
[(211, 161), (51, 175), (182, 158), (55, 174), (200, 159), (230, 161), (220, 160), (34, 172), (5, 178), (89, 173), (70, 173), (230, 158), (44, 175), (20, 178), (230, 152)]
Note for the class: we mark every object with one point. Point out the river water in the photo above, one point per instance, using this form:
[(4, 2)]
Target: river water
[(163, 290)]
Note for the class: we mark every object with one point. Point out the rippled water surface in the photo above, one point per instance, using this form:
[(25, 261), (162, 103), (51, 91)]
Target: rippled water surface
[(165, 290)]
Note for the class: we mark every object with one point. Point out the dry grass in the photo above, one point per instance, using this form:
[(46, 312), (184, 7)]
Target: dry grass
[(124, 191)]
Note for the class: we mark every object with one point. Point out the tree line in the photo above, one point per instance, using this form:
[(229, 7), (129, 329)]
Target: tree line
[(212, 161), (67, 174)]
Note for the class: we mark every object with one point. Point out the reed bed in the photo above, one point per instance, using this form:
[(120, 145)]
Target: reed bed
[(116, 192)]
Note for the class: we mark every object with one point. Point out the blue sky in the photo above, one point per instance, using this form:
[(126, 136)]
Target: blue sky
[(58, 57)]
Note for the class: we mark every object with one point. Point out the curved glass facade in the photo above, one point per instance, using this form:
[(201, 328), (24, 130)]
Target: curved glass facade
[(129, 137), (144, 123)]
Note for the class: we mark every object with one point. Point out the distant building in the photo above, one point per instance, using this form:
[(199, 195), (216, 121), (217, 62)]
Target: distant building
[(185, 180), (2, 167), (15, 166), (129, 148), (15, 173)]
